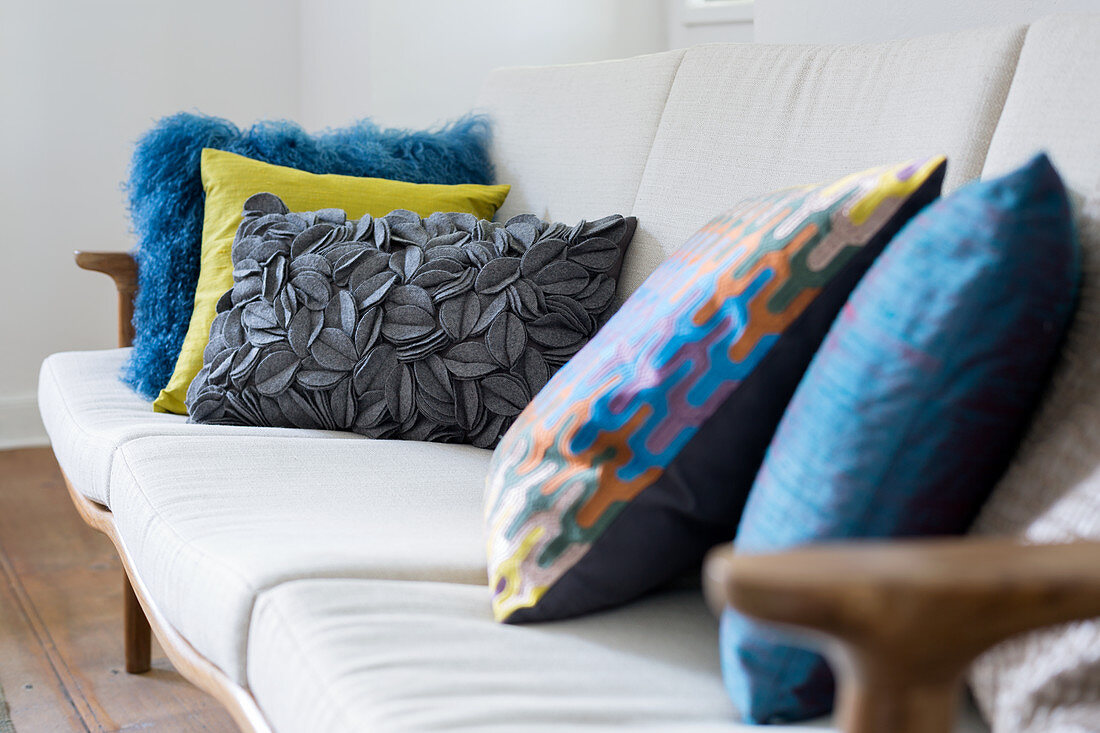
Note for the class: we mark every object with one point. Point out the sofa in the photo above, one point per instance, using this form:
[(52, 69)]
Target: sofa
[(321, 581)]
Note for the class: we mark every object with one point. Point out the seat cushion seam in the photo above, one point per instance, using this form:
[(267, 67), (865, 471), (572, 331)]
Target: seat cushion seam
[(290, 632), (112, 446), (160, 517), (156, 515)]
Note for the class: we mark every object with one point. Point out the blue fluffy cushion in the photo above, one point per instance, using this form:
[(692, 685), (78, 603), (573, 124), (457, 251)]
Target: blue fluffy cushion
[(914, 404), (166, 202)]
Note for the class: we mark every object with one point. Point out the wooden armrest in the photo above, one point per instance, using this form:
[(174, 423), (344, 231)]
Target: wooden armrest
[(901, 621), (123, 269)]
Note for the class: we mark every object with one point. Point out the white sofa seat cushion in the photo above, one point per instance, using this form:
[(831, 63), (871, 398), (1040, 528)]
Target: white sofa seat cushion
[(346, 655), (210, 522), (88, 413)]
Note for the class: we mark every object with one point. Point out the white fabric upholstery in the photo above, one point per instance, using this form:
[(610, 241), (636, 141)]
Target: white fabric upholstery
[(743, 120), (1049, 681), (336, 655), (1053, 103), (211, 522), (573, 140), (88, 413)]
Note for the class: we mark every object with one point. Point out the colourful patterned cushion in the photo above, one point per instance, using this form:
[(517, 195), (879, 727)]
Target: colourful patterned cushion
[(638, 455), (913, 406)]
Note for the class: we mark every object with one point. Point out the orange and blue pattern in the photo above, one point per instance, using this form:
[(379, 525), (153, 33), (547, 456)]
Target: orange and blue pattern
[(614, 421)]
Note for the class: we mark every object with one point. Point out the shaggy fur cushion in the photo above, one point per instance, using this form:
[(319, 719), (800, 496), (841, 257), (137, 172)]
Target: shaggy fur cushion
[(166, 202)]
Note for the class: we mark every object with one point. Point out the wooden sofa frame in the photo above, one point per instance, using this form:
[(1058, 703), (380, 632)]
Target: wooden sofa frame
[(899, 621), (140, 615)]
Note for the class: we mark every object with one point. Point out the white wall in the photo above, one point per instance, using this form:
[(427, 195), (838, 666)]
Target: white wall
[(79, 81), (858, 21), (417, 62)]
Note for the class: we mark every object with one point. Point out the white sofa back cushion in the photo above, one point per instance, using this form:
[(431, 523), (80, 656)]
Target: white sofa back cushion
[(742, 120), (573, 140), (678, 137)]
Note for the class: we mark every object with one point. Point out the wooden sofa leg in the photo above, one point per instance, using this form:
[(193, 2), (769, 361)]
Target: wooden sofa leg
[(883, 691), (139, 638)]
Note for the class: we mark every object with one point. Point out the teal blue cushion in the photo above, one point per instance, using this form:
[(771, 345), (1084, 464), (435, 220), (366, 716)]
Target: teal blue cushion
[(914, 404)]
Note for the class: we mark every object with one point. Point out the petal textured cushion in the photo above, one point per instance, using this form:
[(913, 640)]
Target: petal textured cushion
[(914, 405), (166, 201), (638, 456), (397, 326), (229, 180)]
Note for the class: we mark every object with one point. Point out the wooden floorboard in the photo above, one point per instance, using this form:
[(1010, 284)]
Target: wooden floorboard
[(30, 684), (61, 658)]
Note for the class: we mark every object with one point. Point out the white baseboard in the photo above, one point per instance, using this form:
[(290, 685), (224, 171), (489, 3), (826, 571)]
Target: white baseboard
[(20, 425)]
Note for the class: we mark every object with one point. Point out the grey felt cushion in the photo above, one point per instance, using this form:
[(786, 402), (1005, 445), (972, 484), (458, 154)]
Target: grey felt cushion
[(427, 329)]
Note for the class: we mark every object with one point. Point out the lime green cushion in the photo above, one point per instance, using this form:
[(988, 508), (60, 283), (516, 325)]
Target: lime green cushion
[(229, 180)]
